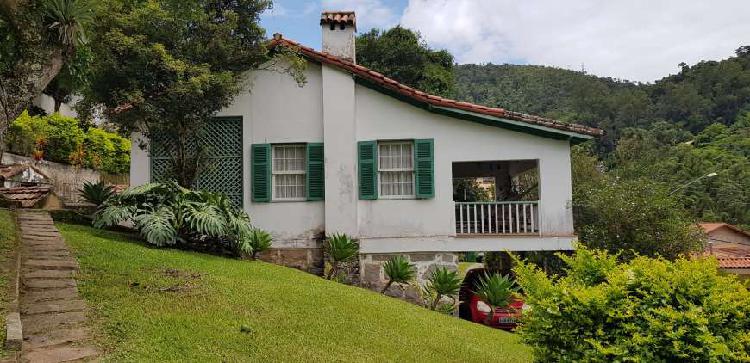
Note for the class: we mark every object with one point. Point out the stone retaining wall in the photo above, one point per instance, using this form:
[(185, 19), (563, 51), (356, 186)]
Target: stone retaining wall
[(308, 259), (373, 277)]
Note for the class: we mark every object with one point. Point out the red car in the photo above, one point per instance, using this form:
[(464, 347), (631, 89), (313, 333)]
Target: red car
[(472, 308), (504, 318)]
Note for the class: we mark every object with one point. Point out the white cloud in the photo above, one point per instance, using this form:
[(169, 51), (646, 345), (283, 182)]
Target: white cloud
[(370, 13), (639, 40)]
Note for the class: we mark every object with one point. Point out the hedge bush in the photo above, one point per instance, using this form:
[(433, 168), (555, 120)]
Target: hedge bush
[(645, 310), (61, 139)]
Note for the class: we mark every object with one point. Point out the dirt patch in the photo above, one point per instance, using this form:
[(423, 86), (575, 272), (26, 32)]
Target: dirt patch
[(169, 280)]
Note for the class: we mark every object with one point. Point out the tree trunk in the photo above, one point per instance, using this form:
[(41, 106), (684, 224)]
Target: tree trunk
[(58, 103), (435, 302), (387, 285)]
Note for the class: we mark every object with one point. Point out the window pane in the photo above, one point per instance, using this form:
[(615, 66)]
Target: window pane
[(289, 163)]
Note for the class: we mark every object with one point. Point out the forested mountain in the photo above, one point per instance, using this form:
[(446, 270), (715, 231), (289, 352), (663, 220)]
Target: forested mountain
[(699, 95)]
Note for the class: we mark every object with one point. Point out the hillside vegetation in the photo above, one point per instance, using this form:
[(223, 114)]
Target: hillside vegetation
[(696, 97)]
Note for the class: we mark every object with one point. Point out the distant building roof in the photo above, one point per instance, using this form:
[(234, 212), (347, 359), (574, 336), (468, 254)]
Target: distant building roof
[(709, 227), (743, 262)]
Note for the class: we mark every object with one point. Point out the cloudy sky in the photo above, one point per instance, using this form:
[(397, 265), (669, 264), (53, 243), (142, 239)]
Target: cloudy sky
[(640, 40)]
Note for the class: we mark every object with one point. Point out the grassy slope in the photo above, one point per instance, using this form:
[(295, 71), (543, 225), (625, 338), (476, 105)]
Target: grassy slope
[(293, 316), (8, 243)]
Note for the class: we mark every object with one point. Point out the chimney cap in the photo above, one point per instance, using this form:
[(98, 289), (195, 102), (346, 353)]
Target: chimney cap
[(342, 18), (278, 36)]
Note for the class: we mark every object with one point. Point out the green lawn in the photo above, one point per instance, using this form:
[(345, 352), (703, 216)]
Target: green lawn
[(8, 243), (168, 305)]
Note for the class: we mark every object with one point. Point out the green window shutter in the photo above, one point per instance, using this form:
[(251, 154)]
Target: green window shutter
[(260, 156), (424, 161), (368, 169), (315, 173)]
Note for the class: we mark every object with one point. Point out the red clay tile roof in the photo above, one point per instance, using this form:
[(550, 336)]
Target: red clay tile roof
[(393, 85), (338, 18), (27, 197), (712, 226), (734, 262)]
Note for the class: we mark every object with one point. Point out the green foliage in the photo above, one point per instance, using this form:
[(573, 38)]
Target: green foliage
[(96, 193), (469, 190), (167, 214), (60, 137), (637, 216), (645, 310), (401, 54), (37, 40), (442, 283), (340, 249), (398, 270), (166, 67), (260, 241), (496, 291)]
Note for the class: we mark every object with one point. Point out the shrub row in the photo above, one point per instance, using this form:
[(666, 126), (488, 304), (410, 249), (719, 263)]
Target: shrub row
[(61, 139)]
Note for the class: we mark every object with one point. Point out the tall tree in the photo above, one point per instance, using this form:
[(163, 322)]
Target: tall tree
[(401, 54), (165, 67), (37, 38)]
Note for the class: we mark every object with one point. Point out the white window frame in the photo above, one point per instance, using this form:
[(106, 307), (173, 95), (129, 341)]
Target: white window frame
[(413, 195), (275, 173)]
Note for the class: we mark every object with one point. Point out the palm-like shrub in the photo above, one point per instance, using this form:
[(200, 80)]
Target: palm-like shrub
[(398, 270), (96, 193), (260, 241), (340, 249), (442, 283), (167, 214), (496, 291)]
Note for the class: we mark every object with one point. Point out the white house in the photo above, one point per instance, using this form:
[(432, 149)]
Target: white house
[(355, 152)]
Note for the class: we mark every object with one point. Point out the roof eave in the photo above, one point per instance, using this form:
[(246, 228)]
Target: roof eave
[(513, 125)]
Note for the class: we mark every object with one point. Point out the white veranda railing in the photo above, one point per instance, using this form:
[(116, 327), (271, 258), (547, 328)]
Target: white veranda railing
[(520, 217)]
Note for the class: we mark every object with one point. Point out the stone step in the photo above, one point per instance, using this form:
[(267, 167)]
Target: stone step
[(41, 323), (65, 353), (47, 256), (48, 274), (56, 337), (34, 297), (39, 284), (51, 264), (59, 306)]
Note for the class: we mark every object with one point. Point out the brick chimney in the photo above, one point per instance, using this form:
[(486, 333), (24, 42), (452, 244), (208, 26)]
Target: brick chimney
[(338, 29)]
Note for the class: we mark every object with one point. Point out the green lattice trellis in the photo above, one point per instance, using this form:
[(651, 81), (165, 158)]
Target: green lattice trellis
[(223, 138)]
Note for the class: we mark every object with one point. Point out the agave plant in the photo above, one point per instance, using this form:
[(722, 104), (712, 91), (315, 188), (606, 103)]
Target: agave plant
[(166, 214), (398, 270), (69, 18), (496, 291), (340, 249), (441, 283), (96, 193), (260, 241)]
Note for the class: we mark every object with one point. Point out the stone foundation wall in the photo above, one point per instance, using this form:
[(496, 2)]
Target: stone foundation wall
[(306, 259), (373, 277)]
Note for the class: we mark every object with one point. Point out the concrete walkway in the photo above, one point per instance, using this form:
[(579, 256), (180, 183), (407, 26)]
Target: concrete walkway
[(52, 313)]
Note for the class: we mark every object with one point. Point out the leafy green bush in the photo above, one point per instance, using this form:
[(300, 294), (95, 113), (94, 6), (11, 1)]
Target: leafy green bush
[(340, 249), (167, 214), (636, 216), (260, 241), (496, 291), (96, 193), (645, 310), (398, 270), (60, 139), (442, 283)]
